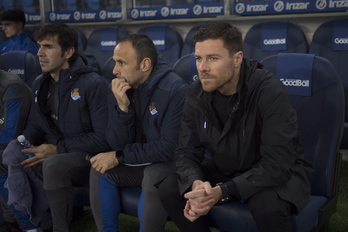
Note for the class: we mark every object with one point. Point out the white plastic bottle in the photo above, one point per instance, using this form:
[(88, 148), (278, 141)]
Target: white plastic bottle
[(25, 144)]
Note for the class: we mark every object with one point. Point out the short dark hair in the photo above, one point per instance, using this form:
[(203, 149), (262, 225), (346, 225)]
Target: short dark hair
[(14, 15), (229, 34), (143, 46), (67, 37)]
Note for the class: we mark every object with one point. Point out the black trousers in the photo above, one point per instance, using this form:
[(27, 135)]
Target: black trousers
[(269, 211)]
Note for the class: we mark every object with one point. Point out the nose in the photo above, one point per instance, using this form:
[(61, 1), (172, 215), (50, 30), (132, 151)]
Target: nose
[(201, 65), (39, 52), (116, 71)]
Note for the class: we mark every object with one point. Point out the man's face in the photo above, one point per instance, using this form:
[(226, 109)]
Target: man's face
[(216, 66), (51, 57), (126, 65), (11, 28)]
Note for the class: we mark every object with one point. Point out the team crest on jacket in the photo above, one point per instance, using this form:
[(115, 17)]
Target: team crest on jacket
[(152, 108), (75, 95)]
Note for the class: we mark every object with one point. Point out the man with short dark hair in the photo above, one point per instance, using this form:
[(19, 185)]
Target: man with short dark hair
[(242, 116), (66, 123), (13, 22), (145, 106)]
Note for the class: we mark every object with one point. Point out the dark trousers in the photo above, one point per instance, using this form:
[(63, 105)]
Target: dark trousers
[(62, 173), (269, 211)]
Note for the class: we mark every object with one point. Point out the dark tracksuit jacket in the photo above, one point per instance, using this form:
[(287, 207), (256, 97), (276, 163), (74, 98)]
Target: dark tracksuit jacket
[(83, 112), (257, 148), (14, 106), (161, 100)]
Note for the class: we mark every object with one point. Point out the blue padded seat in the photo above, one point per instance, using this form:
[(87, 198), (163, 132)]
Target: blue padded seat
[(107, 70), (2, 36), (30, 31), (29, 5), (167, 40), (92, 4), (189, 45), (330, 41), (82, 40), (186, 68), (102, 41), (273, 37), (23, 63)]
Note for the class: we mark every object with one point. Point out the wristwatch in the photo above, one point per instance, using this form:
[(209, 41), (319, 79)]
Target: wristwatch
[(119, 156), (224, 197)]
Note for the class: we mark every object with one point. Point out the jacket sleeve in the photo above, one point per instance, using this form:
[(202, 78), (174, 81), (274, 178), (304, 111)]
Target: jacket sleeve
[(121, 126), (92, 142), (189, 153), (16, 109)]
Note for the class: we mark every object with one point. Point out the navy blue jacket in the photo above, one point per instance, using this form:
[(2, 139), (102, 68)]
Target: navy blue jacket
[(83, 111), (14, 106), (162, 97)]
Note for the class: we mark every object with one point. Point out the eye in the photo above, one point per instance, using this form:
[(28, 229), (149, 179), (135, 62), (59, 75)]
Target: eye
[(213, 58), (198, 59)]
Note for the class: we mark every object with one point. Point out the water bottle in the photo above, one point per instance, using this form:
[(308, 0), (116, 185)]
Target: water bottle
[(25, 144)]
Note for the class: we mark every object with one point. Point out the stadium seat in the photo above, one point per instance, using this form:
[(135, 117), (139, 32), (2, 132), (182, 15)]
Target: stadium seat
[(2, 36), (107, 70), (167, 40), (30, 31), (189, 45), (330, 41), (29, 5), (102, 41), (273, 37), (92, 4), (186, 68), (82, 40), (318, 100), (23, 63)]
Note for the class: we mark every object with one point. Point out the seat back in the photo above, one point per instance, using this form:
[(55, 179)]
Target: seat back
[(107, 70), (273, 37), (23, 63), (30, 31), (189, 45), (82, 40), (92, 4), (167, 40), (186, 68), (2, 36), (316, 93), (330, 41), (102, 41)]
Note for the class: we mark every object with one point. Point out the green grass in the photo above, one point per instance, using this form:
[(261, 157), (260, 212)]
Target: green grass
[(338, 221)]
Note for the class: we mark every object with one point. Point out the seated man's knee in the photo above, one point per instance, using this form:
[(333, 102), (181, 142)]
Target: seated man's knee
[(268, 206), (168, 188), (51, 169), (156, 173)]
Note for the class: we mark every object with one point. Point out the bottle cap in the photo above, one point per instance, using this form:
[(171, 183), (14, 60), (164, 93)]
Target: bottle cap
[(21, 138)]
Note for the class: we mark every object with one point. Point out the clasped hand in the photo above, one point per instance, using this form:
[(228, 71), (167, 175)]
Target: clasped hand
[(200, 200), (41, 153), (104, 161)]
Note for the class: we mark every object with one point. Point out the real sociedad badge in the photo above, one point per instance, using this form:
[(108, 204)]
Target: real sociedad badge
[(152, 108), (75, 95)]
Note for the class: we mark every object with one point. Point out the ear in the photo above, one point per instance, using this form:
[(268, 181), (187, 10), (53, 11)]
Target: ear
[(238, 59), (69, 52), (145, 64)]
